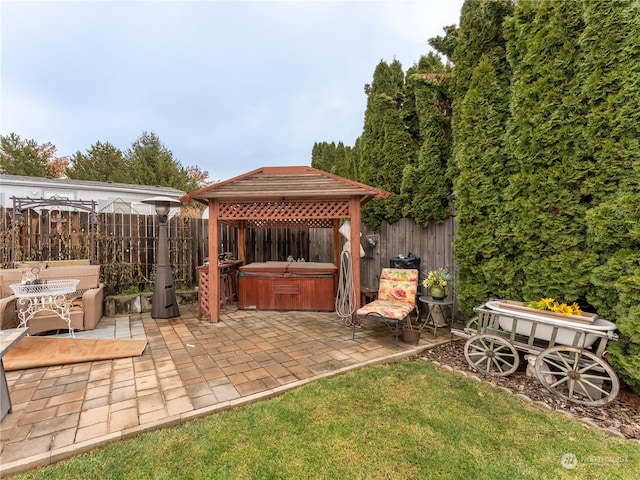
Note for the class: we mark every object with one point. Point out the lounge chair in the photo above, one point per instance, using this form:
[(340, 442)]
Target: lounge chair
[(396, 300)]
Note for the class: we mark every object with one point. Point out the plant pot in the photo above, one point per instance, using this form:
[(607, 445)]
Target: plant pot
[(438, 292), (410, 335)]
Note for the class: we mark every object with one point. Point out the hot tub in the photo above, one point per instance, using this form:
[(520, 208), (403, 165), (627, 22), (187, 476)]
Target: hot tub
[(287, 286)]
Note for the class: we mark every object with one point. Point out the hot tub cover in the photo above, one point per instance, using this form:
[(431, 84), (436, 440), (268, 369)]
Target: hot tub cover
[(292, 268)]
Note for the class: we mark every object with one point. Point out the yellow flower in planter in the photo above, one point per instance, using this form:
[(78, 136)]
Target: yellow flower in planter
[(440, 277), (436, 281), (548, 303), (551, 305)]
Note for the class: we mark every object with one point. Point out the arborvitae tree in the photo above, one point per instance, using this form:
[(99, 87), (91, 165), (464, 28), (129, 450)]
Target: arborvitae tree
[(323, 156), (102, 162), (615, 227), (518, 30), (385, 144), (345, 162), (355, 154), (25, 157), (610, 72), (477, 166), (479, 36), (546, 198), (611, 42), (609, 76), (332, 158), (429, 66), (446, 44), (424, 184), (482, 245), (151, 163)]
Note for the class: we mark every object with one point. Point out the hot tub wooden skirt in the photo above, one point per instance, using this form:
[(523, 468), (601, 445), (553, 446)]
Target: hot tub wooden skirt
[(281, 286)]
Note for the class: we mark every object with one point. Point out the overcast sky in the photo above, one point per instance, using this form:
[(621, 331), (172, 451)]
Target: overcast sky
[(229, 86)]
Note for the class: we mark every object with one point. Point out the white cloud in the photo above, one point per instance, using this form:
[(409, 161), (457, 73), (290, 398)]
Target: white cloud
[(227, 86)]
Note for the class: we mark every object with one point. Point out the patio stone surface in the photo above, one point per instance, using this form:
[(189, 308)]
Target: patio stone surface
[(190, 368)]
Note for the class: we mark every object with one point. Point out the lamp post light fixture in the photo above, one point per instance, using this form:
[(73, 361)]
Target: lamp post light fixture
[(164, 303)]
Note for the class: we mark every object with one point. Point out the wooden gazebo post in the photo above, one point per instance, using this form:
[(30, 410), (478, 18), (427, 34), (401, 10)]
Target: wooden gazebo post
[(214, 271), (354, 215)]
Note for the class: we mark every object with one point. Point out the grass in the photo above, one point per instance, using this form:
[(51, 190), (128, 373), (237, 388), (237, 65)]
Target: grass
[(402, 421)]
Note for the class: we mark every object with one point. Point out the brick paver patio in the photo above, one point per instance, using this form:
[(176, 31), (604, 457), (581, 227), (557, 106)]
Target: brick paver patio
[(189, 369)]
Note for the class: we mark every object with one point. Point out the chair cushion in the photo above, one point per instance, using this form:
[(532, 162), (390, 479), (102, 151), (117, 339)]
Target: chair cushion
[(386, 308), (398, 284)]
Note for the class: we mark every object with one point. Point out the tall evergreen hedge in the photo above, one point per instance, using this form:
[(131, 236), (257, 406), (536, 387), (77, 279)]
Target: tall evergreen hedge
[(385, 145), (610, 73), (545, 156), (424, 184), (546, 198), (482, 244)]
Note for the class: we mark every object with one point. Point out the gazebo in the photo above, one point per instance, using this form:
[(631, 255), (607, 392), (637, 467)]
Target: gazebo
[(282, 197)]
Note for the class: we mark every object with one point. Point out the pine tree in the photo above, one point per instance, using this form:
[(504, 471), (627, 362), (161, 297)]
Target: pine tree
[(102, 162), (23, 157), (151, 163)]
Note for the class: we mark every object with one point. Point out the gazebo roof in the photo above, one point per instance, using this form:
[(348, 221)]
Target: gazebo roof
[(285, 184)]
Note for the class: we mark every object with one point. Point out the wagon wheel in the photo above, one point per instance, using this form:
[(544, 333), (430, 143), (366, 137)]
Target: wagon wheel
[(472, 325), (491, 354), (577, 375)]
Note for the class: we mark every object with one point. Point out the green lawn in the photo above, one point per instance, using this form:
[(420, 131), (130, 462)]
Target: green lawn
[(403, 421)]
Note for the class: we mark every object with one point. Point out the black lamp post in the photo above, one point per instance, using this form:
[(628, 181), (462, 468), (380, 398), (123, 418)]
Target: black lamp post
[(163, 303)]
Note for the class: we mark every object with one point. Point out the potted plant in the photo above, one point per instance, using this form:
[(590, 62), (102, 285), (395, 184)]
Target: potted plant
[(436, 281), (411, 332)]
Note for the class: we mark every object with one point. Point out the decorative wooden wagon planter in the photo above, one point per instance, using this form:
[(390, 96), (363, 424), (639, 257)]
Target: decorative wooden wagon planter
[(569, 352)]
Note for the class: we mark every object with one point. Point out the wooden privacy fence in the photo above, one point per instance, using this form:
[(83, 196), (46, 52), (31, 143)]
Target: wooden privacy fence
[(125, 244), (433, 244)]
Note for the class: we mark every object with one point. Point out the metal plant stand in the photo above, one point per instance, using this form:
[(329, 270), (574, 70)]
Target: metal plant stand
[(51, 296)]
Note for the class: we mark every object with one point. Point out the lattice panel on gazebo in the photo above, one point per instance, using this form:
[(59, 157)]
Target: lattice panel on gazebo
[(203, 292), (291, 223), (286, 210)]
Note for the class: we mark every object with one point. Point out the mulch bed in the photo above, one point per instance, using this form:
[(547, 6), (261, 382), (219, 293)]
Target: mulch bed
[(621, 414)]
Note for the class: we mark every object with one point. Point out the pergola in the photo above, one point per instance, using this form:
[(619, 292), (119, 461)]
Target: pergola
[(283, 197), (20, 204)]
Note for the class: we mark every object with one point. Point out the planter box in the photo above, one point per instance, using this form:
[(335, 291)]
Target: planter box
[(585, 318), (544, 325), (115, 305), (123, 304)]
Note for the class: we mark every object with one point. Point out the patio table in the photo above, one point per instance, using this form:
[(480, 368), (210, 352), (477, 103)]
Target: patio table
[(439, 304), (50, 296)]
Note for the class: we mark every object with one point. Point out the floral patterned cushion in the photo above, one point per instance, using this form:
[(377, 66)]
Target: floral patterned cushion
[(398, 284), (386, 308), (396, 294)]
